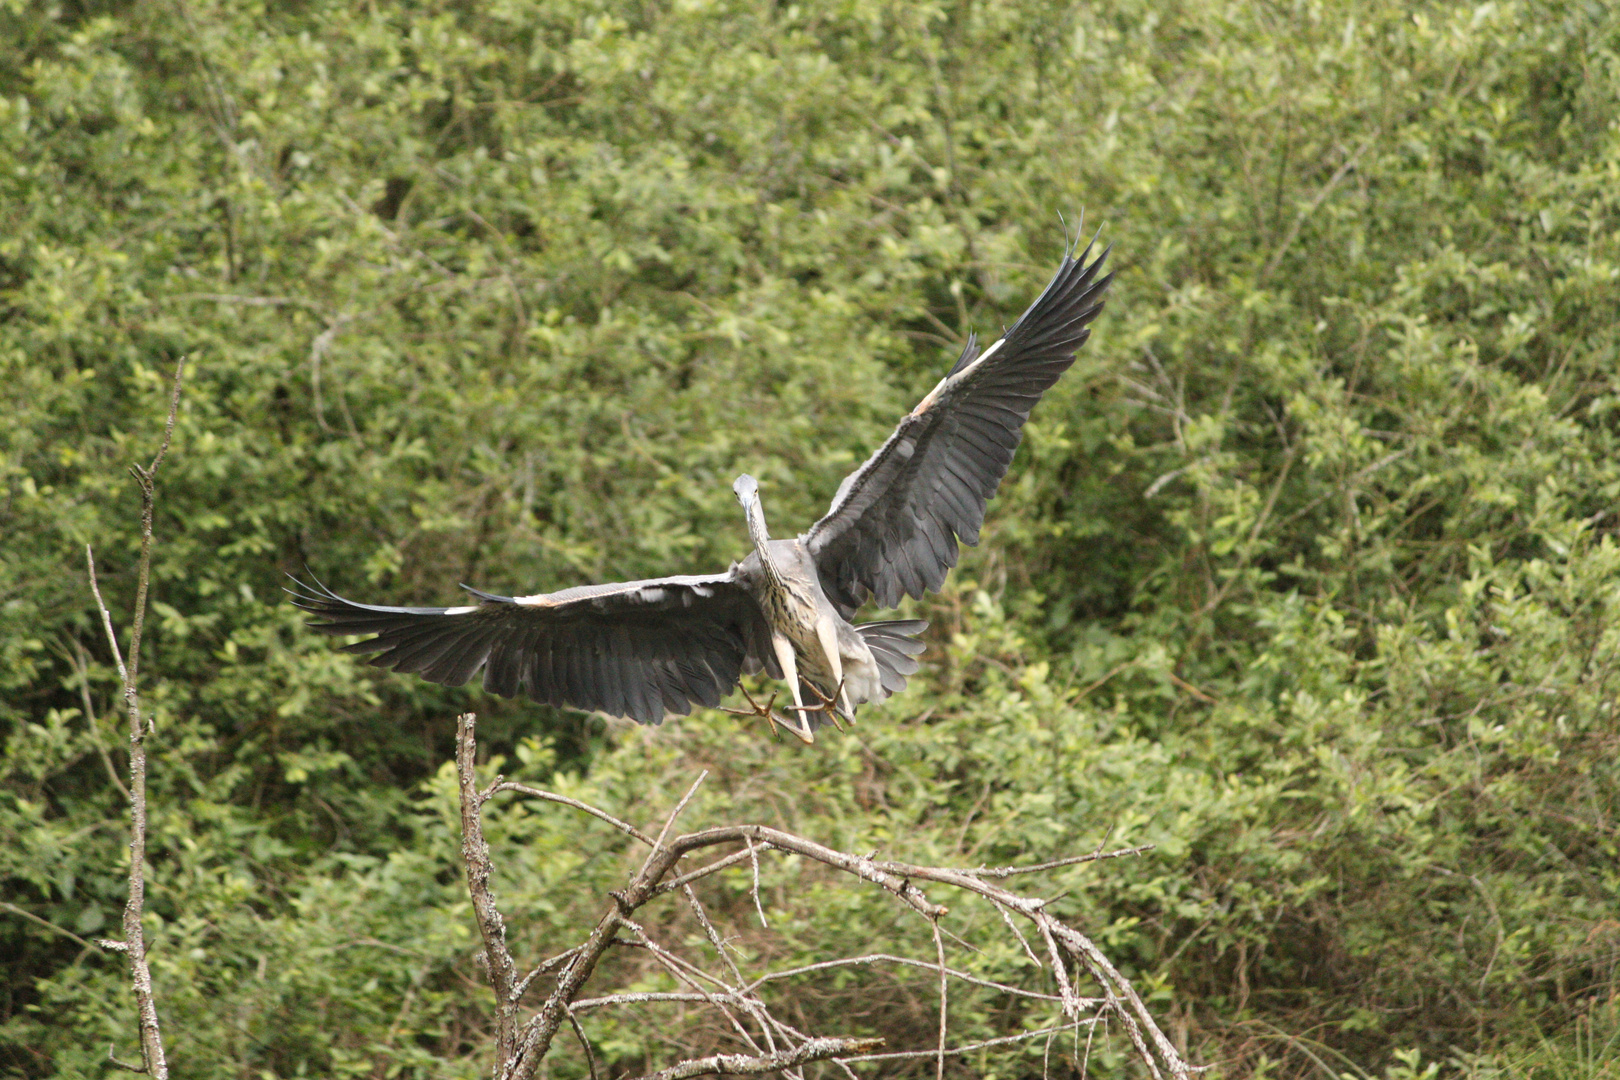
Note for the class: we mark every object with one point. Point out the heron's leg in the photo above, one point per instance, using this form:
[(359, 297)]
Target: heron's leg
[(827, 634), (790, 672)]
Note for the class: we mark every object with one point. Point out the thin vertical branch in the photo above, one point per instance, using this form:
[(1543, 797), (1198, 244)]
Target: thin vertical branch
[(753, 857), (475, 854), (133, 944), (944, 1000), (658, 844), (81, 666), (147, 478), (585, 1044)]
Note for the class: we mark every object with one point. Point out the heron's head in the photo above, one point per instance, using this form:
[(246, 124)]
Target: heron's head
[(747, 489)]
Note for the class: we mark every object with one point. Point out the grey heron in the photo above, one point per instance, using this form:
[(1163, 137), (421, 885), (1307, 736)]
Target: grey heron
[(644, 649)]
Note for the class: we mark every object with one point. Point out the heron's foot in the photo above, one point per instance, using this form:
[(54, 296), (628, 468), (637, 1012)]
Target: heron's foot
[(829, 705), (800, 731)]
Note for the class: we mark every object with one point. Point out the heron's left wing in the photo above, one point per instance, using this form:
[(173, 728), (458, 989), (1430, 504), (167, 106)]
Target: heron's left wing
[(638, 649), (894, 523)]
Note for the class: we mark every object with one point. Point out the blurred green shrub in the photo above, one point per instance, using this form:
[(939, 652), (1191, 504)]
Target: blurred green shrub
[(1306, 573)]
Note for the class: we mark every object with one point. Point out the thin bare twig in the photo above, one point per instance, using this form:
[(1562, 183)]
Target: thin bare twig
[(944, 1001), (753, 857), (154, 1061), (534, 792), (644, 996), (886, 958), (1007, 918), (585, 1044), (747, 1065), (670, 821), (81, 664), (1096, 856), (545, 965), (693, 976), (702, 872), (755, 1009), (46, 923), (966, 1048)]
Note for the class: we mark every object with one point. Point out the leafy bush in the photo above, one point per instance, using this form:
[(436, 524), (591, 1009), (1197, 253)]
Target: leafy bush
[(1306, 573)]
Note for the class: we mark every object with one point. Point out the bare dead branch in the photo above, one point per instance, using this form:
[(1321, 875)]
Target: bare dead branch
[(745, 1065), (670, 821), (1001, 872), (695, 977), (119, 1063), (154, 1061), (753, 858), (47, 924), (1007, 918), (966, 1048), (584, 1044), (746, 991), (702, 872), (544, 967), (623, 826), (733, 995), (944, 1001), (907, 961), (475, 855)]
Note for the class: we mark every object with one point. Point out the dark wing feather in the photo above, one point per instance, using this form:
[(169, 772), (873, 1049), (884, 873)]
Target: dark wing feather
[(639, 649), (895, 521)]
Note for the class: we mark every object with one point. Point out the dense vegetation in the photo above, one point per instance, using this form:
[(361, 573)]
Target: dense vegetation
[(1307, 573)]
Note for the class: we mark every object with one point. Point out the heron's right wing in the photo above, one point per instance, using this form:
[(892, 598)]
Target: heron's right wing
[(638, 649), (893, 526)]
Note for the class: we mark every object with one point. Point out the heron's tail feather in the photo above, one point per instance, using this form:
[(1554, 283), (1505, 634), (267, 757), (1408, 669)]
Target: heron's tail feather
[(893, 648)]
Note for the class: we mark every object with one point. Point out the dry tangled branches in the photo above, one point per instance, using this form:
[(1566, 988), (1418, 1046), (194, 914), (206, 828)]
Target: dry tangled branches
[(773, 1044)]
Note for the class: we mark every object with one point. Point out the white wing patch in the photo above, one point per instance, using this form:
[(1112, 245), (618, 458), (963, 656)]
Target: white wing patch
[(924, 405)]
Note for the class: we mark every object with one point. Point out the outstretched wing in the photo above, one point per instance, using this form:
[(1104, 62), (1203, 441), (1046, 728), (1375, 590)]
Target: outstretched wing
[(638, 649), (894, 523)]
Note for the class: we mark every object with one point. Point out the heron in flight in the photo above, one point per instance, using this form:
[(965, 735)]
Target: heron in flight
[(643, 649)]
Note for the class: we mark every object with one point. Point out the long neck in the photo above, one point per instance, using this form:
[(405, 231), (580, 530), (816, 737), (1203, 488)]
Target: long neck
[(755, 514)]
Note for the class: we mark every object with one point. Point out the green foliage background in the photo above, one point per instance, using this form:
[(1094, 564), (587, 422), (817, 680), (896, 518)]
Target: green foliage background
[(1306, 573)]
